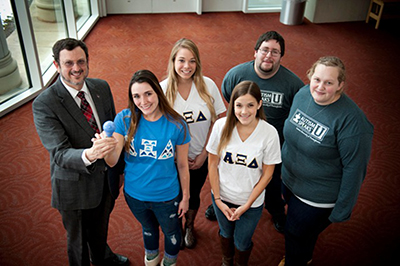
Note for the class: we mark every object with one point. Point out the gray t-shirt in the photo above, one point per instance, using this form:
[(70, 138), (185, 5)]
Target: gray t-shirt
[(326, 152), (277, 92)]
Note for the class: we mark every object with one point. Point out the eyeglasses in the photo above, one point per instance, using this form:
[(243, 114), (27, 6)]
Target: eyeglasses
[(69, 64), (273, 52)]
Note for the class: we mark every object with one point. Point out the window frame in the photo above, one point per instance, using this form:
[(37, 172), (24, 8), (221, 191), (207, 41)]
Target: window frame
[(38, 81)]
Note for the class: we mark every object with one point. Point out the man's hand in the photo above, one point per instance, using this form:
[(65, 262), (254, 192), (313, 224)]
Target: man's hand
[(102, 145)]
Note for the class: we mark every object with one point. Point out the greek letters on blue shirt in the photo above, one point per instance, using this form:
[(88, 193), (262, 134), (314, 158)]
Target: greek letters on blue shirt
[(149, 150), (150, 171)]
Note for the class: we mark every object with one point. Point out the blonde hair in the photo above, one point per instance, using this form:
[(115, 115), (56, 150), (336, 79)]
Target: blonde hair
[(241, 89), (172, 86), (330, 61)]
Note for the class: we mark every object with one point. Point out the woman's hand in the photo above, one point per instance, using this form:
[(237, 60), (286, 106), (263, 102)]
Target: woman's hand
[(101, 147), (232, 214), (238, 212), (183, 207), (228, 212), (198, 161)]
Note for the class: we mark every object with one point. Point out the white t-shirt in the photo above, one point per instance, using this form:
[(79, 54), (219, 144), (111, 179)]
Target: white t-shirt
[(241, 162), (196, 113)]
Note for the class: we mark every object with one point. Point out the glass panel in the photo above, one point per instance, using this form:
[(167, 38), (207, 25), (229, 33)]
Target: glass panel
[(47, 21), (48, 26), (260, 4), (82, 12), (13, 76)]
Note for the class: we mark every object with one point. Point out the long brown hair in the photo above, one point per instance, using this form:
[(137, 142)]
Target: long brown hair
[(241, 89), (172, 86), (146, 76)]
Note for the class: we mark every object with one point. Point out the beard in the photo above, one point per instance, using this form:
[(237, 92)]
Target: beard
[(266, 70), (78, 83)]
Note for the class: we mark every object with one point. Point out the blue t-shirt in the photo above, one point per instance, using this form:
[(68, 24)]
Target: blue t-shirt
[(150, 171)]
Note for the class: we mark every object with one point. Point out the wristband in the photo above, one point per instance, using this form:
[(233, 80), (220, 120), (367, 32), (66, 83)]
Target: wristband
[(217, 199)]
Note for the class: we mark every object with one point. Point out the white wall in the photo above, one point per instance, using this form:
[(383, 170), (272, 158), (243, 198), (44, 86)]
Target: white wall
[(151, 6), (324, 11), (171, 6), (316, 11), (128, 6), (222, 5)]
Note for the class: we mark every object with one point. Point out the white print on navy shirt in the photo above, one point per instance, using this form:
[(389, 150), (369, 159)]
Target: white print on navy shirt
[(310, 127), (149, 150), (188, 115), (272, 99), (241, 159)]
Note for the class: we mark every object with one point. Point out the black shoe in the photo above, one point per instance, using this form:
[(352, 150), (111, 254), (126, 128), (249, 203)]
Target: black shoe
[(279, 223), (116, 260), (210, 213)]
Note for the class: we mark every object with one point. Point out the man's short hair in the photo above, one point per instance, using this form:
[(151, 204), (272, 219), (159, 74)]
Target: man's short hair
[(68, 44), (271, 35)]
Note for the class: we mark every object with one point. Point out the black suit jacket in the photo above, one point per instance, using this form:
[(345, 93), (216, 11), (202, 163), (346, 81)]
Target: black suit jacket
[(65, 133)]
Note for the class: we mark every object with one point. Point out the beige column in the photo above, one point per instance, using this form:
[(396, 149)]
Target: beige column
[(9, 73), (50, 10), (46, 10)]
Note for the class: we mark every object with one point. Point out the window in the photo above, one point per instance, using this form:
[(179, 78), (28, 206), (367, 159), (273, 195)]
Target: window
[(30, 37), (13, 77), (82, 12), (48, 26)]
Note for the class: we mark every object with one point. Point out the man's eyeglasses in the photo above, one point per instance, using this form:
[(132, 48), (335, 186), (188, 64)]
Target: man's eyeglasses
[(81, 63), (273, 52)]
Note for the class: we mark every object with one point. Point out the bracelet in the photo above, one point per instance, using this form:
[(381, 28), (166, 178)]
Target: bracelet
[(217, 199)]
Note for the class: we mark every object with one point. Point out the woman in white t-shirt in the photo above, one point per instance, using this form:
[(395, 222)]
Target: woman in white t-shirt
[(243, 150), (199, 101)]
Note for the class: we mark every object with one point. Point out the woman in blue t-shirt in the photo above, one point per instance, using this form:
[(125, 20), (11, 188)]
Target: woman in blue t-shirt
[(153, 137)]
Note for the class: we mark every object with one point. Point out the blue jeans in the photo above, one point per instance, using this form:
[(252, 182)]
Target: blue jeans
[(241, 230), (152, 215), (304, 223)]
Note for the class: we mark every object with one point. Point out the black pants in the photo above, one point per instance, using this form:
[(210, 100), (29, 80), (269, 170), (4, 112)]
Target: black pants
[(273, 194), (197, 179), (87, 232), (303, 226)]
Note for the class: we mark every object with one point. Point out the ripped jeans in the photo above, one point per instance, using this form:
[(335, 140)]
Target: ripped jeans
[(152, 215)]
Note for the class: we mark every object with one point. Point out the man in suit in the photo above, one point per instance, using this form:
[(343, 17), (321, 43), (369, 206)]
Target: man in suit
[(80, 182)]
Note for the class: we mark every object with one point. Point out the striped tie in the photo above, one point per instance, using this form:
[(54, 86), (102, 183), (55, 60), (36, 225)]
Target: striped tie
[(88, 112)]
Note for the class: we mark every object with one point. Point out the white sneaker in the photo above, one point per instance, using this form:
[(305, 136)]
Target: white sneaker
[(153, 262), (162, 263)]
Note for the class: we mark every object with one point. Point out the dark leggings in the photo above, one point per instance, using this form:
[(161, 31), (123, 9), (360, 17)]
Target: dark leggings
[(303, 225), (273, 196), (197, 179)]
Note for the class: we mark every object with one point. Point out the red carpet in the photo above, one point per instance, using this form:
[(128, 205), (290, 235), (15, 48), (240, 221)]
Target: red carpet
[(31, 232)]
